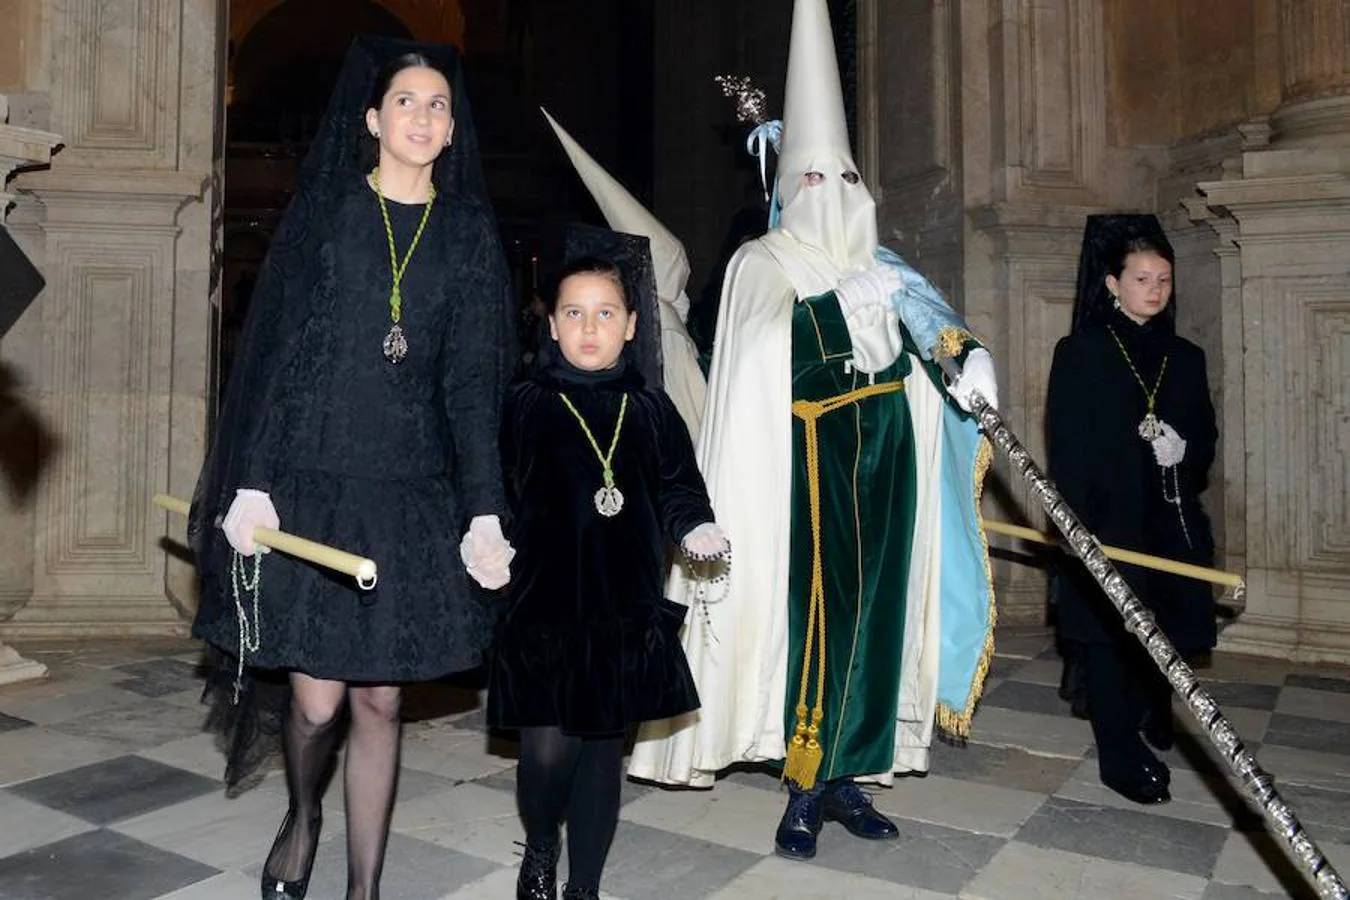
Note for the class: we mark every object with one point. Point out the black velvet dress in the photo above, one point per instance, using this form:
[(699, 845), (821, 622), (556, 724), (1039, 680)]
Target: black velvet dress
[(589, 643), (1109, 476), (386, 461)]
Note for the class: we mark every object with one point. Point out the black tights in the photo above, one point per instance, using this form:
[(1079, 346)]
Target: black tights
[(1123, 686), (310, 739), (563, 776)]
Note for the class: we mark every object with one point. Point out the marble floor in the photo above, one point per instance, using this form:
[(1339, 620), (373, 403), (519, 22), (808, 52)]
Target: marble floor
[(109, 790)]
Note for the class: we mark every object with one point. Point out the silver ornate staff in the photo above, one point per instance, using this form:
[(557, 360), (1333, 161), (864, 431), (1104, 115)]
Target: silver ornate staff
[(1139, 621)]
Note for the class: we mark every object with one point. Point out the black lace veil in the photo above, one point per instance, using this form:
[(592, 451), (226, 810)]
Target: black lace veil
[(632, 254), (342, 153), (1104, 237)]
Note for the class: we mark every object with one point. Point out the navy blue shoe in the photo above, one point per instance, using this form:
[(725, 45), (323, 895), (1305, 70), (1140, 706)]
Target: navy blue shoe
[(801, 822), (845, 803)]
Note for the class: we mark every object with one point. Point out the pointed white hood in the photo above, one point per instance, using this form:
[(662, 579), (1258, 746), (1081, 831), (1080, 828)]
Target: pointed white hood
[(836, 216), (624, 213)]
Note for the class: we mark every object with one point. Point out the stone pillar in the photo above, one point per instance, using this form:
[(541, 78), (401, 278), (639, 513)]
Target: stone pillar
[(1289, 208), (120, 366), (1315, 68), (19, 147), (1226, 499), (993, 125)]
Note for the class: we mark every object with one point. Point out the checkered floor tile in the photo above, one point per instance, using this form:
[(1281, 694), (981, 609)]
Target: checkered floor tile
[(109, 789)]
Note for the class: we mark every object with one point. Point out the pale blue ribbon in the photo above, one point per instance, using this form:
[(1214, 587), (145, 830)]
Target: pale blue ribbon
[(767, 134)]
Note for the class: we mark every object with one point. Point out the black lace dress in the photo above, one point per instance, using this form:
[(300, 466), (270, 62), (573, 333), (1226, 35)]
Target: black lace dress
[(386, 461)]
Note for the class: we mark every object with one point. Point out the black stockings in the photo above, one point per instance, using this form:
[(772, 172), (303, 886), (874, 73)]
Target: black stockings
[(310, 740), (561, 777)]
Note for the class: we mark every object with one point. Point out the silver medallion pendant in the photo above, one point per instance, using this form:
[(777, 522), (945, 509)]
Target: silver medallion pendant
[(395, 345), (1150, 429), (608, 501)]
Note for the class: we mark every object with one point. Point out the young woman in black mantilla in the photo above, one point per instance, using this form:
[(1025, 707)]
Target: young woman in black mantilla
[(362, 412), (1132, 434), (601, 476)]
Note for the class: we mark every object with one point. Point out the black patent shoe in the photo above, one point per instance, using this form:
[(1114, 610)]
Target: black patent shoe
[(847, 804), (274, 888), (580, 893), (1156, 768), (801, 822), (1148, 787), (538, 878)]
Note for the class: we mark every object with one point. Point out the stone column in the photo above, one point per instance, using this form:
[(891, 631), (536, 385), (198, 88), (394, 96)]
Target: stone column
[(1290, 209), (19, 148), (1315, 68), (994, 133), (120, 368)]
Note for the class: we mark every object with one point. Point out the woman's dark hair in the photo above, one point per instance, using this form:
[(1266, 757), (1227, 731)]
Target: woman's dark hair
[(385, 76), (368, 153), (1139, 244), (586, 265)]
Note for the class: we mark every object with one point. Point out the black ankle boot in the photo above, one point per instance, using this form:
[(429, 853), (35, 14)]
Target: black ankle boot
[(580, 893), (274, 888), (538, 879)]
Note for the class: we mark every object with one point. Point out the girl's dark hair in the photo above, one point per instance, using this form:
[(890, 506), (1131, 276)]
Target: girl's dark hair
[(1140, 244), (587, 265)]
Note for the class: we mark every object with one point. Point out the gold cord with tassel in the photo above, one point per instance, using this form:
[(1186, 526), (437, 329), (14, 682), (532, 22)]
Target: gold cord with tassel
[(804, 751)]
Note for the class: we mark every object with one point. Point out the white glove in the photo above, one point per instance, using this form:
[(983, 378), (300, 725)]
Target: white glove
[(1169, 448), (247, 511), (872, 287), (872, 320), (486, 553), (976, 375), (706, 541)]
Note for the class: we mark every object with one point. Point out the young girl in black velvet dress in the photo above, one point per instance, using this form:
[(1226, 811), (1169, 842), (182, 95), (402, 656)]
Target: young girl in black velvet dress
[(600, 475)]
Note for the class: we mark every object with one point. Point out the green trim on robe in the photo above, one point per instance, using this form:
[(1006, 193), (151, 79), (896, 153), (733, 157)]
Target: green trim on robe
[(867, 472)]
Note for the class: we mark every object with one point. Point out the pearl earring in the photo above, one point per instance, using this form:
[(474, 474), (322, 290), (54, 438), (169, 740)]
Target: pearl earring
[(1115, 301)]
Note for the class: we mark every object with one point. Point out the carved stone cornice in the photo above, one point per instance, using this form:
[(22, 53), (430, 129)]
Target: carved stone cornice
[(19, 149), (88, 199), (1287, 193), (1041, 229)]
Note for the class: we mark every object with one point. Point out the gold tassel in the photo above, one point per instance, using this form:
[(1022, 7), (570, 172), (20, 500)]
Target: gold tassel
[(804, 753)]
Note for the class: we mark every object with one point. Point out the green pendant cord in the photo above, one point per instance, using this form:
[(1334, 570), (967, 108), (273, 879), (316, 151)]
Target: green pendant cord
[(606, 459), (396, 296), (1149, 396)]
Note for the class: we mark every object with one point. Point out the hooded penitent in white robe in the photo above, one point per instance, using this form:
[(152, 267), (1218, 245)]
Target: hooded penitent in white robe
[(737, 633)]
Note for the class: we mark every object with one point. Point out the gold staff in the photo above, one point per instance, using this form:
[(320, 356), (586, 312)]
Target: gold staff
[(1159, 563)]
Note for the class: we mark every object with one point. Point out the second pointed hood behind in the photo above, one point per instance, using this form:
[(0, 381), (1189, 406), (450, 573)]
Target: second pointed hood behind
[(624, 213)]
